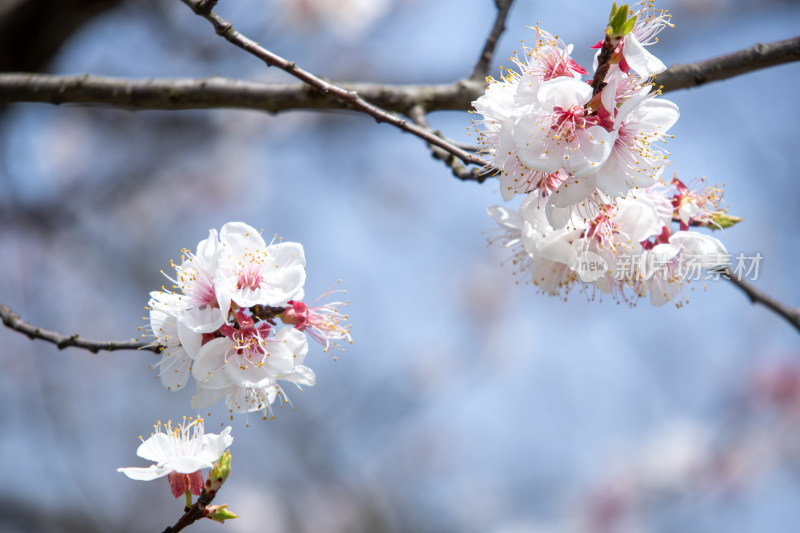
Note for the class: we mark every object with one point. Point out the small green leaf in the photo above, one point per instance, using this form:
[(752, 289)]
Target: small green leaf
[(613, 12), (619, 19), (628, 27)]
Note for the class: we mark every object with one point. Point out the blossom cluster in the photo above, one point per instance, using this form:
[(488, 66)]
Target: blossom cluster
[(219, 323), (589, 157)]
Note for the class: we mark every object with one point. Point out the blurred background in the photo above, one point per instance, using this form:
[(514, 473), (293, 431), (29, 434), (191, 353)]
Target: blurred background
[(468, 402)]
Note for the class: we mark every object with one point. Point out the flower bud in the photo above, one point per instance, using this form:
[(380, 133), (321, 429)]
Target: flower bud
[(219, 472), (219, 513), (720, 220)]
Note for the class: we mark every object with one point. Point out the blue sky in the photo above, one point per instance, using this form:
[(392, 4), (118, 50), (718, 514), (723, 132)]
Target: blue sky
[(468, 402)]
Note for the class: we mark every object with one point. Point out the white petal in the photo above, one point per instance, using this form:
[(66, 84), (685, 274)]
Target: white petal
[(656, 114), (595, 146), (157, 448), (707, 247), (564, 92), (302, 375), (239, 238), (207, 250), (190, 340), (144, 474), (207, 397), (507, 219), (573, 191), (281, 286), (561, 246), (612, 177), (289, 349), (215, 445), (248, 375), (203, 320), (186, 464), (209, 361), (174, 368), (640, 60), (638, 219)]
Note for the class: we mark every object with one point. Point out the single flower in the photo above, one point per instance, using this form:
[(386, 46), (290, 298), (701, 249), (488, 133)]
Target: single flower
[(253, 273), (179, 452)]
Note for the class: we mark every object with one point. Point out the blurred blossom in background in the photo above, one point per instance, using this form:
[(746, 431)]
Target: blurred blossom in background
[(467, 402)]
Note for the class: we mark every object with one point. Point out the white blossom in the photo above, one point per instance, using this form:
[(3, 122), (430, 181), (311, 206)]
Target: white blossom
[(184, 449)]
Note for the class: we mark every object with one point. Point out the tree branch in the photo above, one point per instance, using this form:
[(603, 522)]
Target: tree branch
[(417, 114), (195, 512), (756, 57), (484, 64), (204, 8), (792, 315), (215, 92), (12, 321)]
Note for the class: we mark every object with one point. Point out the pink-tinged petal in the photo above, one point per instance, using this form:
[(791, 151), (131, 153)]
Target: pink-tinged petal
[(195, 482), (144, 474), (640, 60), (177, 484)]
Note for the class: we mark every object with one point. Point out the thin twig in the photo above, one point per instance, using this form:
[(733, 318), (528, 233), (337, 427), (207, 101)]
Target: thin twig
[(13, 321), (224, 28), (484, 64), (207, 93), (792, 315), (195, 512), (756, 57), (417, 114)]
